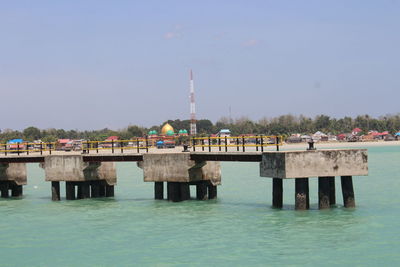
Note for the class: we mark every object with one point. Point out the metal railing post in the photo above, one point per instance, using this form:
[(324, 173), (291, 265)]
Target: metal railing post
[(97, 147), (277, 143), (262, 143), (88, 147), (18, 148), (209, 144), (50, 148), (243, 144), (27, 148), (256, 142), (147, 144), (237, 144), (137, 145), (112, 146), (226, 144), (202, 144), (122, 146), (219, 143), (5, 149), (194, 144), (41, 148)]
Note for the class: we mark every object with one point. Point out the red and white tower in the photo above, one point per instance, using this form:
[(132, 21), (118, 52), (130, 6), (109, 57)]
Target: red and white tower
[(193, 130)]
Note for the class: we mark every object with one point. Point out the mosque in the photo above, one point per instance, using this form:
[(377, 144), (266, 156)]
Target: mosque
[(167, 135)]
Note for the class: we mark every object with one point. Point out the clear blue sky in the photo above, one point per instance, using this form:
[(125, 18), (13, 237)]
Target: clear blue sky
[(95, 64)]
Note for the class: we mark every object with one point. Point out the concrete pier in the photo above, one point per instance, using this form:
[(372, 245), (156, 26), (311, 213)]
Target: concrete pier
[(325, 164), (277, 193), (91, 179), (201, 190), (324, 192), (179, 171), (12, 178), (348, 192), (158, 190), (55, 191), (302, 194)]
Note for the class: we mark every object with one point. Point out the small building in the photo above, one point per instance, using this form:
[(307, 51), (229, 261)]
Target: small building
[(356, 131), (319, 136)]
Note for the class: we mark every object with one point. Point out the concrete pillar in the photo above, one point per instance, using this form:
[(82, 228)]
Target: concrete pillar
[(185, 191), (201, 190), (16, 190), (4, 187), (173, 191), (332, 191), (158, 190), (212, 191), (302, 194), (277, 193), (348, 192), (102, 188), (109, 190), (324, 192), (70, 190), (95, 189), (55, 191)]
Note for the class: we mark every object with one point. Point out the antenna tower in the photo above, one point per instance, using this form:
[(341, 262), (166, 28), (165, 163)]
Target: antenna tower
[(193, 130)]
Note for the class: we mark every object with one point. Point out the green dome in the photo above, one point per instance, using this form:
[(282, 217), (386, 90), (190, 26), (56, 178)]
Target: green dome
[(170, 132), (180, 131), (152, 132), (184, 131)]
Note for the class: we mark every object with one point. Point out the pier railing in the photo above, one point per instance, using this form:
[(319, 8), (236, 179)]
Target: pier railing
[(239, 143), (139, 145)]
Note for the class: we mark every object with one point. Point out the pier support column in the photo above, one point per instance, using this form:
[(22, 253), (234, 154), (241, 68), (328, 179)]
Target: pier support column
[(4, 187), (109, 190), (16, 190), (212, 191), (83, 190), (102, 189), (158, 190), (302, 194), (324, 192), (95, 189), (277, 193), (201, 190), (332, 191), (55, 191), (348, 192), (173, 191), (70, 190), (185, 191)]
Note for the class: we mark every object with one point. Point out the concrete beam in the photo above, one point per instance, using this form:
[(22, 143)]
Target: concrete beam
[(177, 167), (72, 168), (316, 163), (13, 172)]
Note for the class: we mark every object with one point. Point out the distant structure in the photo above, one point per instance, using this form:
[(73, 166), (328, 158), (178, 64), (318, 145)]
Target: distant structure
[(193, 130)]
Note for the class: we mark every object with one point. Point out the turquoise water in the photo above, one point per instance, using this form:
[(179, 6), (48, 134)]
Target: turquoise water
[(238, 229)]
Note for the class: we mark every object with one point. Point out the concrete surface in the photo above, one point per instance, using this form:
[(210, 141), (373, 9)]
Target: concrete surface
[(13, 172), (316, 163)]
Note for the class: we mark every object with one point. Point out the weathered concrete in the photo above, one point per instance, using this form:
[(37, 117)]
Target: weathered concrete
[(177, 167), (201, 190), (55, 191), (348, 192), (302, 198), (323, 192), (212, 191), (277, 193), (72, 168), (13, 172), (158, 190), (314, 163)]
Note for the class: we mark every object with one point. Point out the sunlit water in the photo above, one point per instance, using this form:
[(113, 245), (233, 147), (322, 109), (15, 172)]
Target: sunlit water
[(238, 229)]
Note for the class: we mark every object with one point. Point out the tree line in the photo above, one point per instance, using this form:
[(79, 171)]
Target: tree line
[(282, 125)]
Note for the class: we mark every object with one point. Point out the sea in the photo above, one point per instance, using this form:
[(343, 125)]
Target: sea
[(239, 228)]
